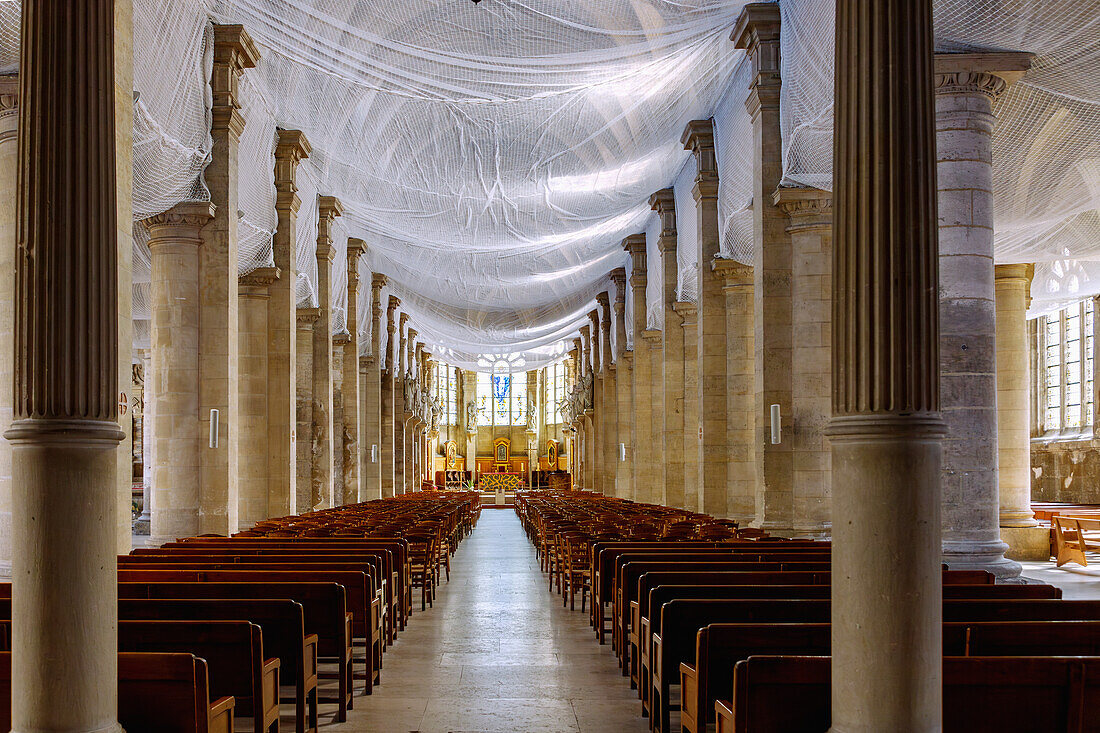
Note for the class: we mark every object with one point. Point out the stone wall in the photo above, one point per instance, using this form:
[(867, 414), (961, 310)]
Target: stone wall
[(1066, 470)]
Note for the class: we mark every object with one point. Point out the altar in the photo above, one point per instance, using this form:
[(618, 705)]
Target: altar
[(490, 482)]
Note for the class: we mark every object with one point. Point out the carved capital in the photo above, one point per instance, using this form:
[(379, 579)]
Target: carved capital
[(234, 52), (807, 208), (260, 277), (988, 74), (182, 221), (664, 203), (698, 137), (757, 33), (308, 316), (732, 272), (341, 339), (687, 311), (377, 281)]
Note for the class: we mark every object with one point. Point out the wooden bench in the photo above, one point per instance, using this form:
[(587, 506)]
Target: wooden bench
[(1004, 694), (719, 647), (1073, 537), (166, 693)]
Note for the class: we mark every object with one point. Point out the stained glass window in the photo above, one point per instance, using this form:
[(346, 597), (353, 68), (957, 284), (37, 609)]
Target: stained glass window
[(484, 397), (555, 392), (446, 389), (1067, 371), (502, 399)]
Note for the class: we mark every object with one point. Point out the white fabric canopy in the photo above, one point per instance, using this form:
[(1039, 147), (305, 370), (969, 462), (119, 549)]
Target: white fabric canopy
[(493, 156)]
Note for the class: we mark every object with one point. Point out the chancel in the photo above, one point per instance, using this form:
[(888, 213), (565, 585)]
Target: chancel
[(538, 366)]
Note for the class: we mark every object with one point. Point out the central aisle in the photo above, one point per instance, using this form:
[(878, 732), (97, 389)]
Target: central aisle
[(497, 653)]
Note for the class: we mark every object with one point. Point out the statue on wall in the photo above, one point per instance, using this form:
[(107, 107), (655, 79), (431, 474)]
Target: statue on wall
[(471, 416), (532, 416), (586, 389), (437, 414)]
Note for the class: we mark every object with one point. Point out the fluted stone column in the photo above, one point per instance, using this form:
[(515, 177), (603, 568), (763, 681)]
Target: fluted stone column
[(624, 392), (124, 231), (390, 387), (689, 322), (9, 175), (595, 423), (737, 286), (811, 229), (351, 385), (609, 400), (371, 419), (328, 208), (254, 341), (175, 245), (340, 342), (218, 325), (757, 31), (282, 331), (645, 483), (886, 427), (65, 432), (708, 397), (306, 318), (672, 372), (1025, 538), (966, 85), (401, 364)]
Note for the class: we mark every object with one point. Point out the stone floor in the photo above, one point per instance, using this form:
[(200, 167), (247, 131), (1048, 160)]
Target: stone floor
[(1076, 582), (496, 653)]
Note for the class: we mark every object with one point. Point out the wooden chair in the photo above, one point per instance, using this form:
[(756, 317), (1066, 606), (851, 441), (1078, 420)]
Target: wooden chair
[(422, 566), (577, 567)]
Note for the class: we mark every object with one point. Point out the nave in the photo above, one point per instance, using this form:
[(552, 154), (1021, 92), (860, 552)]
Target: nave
[(498, 652)]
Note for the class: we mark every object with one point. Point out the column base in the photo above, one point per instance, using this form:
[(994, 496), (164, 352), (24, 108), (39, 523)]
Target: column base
[(1018, 519), (1027, 543), (988, 555), (140, 526), (113, 728)]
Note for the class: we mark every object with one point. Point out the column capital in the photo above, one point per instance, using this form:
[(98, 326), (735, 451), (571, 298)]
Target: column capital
[(618, 277), (378, 281), (664, 203), (807, 208), (291, 145), (291, 148), (9, 106), (635, 244), (757, 33), (653, 336), (604, 299), (412, 334), (234, 52), (687, 310), (733, 273), (698, 137), (261, 277), (341, 339), (365, 362), (988, 73), (1016, 275), (594, 318), (307, 316), (402, 319), (328, 208), (356, 247), (182, 221)]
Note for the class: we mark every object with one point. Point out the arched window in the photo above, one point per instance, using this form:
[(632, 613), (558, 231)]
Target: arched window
[(446, 390), (555, 392), (1065, 375), (502, 399)]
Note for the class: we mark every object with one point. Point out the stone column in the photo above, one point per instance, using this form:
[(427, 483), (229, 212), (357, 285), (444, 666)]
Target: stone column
[(328, 208), (469, 397), (175, 244), (886, 427), (595, 419), (689, 321), (143, 524), (351, 386), (757, 31), (65, 432), (624, 391), (9, 175), (411, 483), (400, 369), (609, 403), (306, 318), (645, 484), (390, 386), (709, 399), (371, 419), (966, 85), (1025, 538), (340, 342), (740, 390), (254, 385), (654, 341), (218, 320), (811, 229), (672, 410), (124, 231), (282, 349)]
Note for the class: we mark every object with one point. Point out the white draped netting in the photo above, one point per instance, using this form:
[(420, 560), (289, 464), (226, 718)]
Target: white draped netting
[(493, 156)]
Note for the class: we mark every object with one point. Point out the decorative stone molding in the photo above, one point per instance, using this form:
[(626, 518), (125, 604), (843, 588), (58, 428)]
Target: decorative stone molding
[(341, 339), (698, 137), (356, 248), (189, 214), (735, 274), (308, 316), (234, 52), (652, 336), (807, 208), (261, 277), (664, 203), (1019, 274), (328, 208), (989, 74), (757, 33), (291, 148), (687, 310), (9, 107)]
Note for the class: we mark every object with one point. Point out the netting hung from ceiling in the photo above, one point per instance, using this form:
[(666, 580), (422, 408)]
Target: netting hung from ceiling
[(493, 156)]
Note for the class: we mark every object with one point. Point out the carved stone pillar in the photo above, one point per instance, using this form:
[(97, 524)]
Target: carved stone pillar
[(254, 385), (966, 85), (1026, 540), (609, 399), (757, 31), (740, 390), (672, 356), (340, 342), (282, 349), (469, 397), (411, 483), (65, 431), (709, 398), (645, 481), (143, 524), (306, 319), (328, 208), (624, 392), (391, 385), (599, 397), (689, 322), (9, 175), (811, 230), (401, 363), (175, 244), (371, 419), (351, 387), (886, 427), (218, 321)]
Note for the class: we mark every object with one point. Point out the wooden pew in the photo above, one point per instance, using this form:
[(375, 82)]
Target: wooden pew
[(324, 613), (1004, 694), (719, 647), (157, 693), (681, 620), (1072, 539)]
